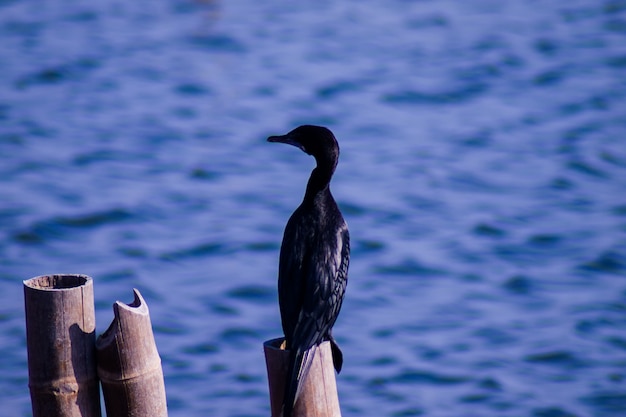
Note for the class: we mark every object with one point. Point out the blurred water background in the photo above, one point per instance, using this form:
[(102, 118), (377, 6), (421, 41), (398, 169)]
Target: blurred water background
[(483, 177)]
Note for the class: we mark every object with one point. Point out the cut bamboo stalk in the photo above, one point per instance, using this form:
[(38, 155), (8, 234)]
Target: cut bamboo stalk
[(60, 339), (318, 395), (129, 365)]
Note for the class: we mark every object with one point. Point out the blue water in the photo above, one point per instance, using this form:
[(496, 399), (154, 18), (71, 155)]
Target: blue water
[(483, 177)]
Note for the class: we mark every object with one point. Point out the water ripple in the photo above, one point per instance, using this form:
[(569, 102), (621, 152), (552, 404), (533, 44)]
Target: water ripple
[(254, 293), (196, 251), (607, 402), (429, 378), (459, 95), (410, 267), (54, 75), (560, 358), (610, 262), (552, 412), (61, 226), (218, 43)]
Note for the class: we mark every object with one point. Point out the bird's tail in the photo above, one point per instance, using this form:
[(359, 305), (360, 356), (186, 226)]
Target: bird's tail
[(299, 364), (337, 354)]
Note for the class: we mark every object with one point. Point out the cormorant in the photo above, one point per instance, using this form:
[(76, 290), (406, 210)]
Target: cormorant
[(314, 258)]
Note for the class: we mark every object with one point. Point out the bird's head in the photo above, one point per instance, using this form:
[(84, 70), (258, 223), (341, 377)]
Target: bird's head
[(317, 141)]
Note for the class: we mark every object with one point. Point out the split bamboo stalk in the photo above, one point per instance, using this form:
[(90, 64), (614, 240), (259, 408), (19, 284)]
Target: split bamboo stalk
[(60, 338), (129, 365), (318, 395)]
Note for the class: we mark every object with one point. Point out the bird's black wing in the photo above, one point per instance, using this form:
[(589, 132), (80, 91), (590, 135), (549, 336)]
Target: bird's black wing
[(336, 300), (325, 278), (291, 282), (294, 262)]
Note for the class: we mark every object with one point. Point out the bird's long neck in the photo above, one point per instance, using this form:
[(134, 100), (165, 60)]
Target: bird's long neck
[(319, 181)]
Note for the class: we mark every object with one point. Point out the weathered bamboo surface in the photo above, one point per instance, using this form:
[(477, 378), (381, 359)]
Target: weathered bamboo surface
[(60, 338), (129, 365), (318, 395)]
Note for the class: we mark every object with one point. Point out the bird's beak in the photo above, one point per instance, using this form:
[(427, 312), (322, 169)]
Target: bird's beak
[(288, 139)]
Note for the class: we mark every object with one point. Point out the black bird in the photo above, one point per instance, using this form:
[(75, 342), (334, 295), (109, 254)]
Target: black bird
[(314, 258)]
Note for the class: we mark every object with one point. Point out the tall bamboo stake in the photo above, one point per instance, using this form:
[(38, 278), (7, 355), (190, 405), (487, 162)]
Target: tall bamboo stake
[(60, 338), (318, 395), (129, 365)]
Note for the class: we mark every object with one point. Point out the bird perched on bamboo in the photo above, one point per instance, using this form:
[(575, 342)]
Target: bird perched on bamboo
[(314, 258)]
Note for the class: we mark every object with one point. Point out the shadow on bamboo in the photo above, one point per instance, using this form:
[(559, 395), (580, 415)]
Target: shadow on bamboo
[(129, 365), (318, 395), (60, 339)]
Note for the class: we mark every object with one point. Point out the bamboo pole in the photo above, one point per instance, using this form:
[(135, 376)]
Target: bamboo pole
[(318, 395), (129, 365), (60, 339)]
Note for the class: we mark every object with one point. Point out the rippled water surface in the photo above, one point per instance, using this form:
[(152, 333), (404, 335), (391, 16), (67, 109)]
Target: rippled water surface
[(483, 177)]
